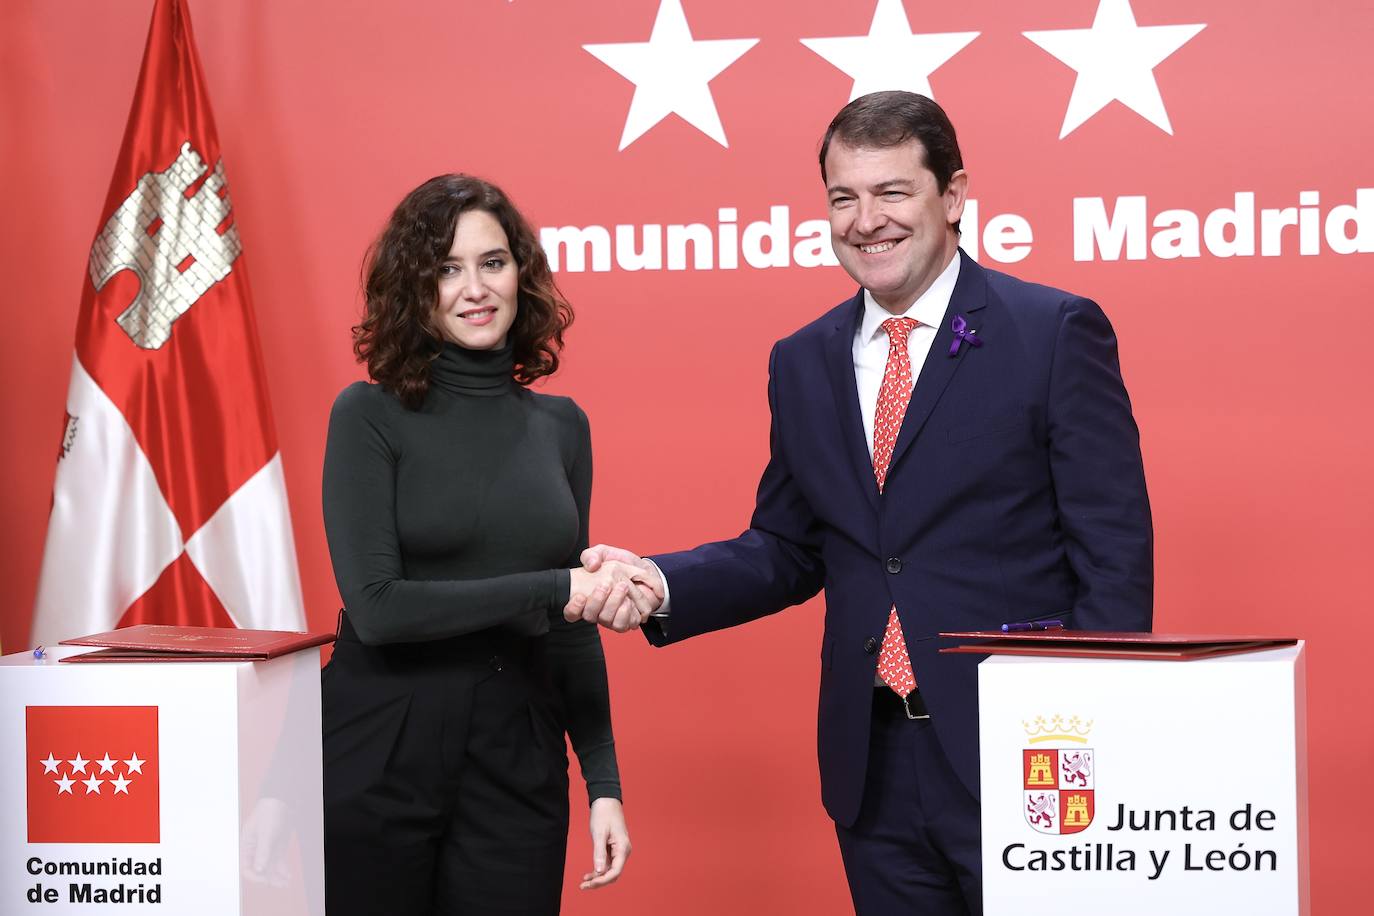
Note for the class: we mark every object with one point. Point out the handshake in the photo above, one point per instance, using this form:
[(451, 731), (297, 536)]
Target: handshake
[(614, 588)]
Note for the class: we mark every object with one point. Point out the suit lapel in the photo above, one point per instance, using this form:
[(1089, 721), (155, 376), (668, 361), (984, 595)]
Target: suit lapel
[(839, 361), (970, 295)]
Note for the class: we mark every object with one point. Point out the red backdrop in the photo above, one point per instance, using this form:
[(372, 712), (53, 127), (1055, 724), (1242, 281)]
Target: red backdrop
[(1249, 373)]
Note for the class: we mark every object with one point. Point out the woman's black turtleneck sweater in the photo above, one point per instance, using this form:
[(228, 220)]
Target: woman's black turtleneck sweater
[(466, 515)]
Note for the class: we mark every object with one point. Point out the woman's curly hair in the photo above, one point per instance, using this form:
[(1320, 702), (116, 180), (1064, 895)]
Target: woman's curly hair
[(397, 337)]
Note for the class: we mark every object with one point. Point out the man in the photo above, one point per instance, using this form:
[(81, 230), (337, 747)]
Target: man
[(1007, 486)]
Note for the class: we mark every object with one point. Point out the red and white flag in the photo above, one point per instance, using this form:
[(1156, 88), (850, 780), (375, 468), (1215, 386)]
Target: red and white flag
[(169, 504)]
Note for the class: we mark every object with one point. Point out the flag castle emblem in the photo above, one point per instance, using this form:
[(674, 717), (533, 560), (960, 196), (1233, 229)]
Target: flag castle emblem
[(1058, 775), (92, 774)]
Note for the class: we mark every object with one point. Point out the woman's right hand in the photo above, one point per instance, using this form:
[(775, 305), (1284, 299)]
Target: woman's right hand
[(614, 584)]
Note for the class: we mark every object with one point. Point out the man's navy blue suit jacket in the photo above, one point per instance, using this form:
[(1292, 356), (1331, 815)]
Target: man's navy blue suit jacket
[(1016, 491)]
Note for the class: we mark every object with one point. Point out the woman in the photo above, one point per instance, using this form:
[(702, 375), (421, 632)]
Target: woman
[(455, 503)]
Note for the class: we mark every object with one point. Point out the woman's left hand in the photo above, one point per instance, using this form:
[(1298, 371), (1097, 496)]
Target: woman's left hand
[(610, 843)]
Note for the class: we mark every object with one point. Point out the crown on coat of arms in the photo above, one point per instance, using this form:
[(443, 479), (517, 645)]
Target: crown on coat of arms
[(1057, 728)]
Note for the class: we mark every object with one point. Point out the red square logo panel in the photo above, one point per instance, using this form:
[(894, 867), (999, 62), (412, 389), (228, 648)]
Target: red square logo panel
[(92, 774)]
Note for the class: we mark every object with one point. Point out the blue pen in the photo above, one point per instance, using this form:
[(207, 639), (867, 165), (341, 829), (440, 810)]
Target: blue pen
[(1032, 625)]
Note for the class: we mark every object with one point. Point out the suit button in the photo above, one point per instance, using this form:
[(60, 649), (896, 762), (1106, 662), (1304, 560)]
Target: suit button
[(871, 645), (894, 565), (496, 663)]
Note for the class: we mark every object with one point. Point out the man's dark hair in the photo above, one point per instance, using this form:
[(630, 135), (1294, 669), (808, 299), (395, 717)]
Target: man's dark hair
[(883, 119)]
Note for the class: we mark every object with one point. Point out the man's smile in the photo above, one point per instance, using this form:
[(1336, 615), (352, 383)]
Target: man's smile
[(879, 247)]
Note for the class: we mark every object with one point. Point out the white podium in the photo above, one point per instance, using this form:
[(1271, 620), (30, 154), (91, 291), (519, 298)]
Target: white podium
[(168, 787), (1130, 787)]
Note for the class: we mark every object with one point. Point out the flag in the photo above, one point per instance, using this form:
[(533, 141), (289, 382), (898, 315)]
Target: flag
[(169, 504), (92, 774)]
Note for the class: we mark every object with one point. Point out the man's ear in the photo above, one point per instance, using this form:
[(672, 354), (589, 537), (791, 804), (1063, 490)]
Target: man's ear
[(956, 193)]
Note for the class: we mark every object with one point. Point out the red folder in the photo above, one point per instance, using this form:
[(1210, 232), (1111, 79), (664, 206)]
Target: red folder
[(156, 643), (1093, 644)]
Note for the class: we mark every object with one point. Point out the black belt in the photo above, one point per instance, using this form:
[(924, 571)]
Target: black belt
[(887, 705)]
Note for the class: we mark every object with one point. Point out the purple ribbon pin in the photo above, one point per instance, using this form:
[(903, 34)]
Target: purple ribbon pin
[(962, 332)]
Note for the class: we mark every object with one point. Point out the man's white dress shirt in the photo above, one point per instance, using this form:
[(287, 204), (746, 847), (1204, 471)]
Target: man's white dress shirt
[(870, 352)]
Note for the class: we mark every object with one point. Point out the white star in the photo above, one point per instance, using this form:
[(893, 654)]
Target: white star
[(1115, 60), (890, 56), (671, 72), (92, 785), (134, 765), (50, 765), (120, 784), (79, 764), (64, 784), (106, 763)]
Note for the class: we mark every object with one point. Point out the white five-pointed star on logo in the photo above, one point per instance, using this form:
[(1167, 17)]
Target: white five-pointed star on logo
[(1115, 60), (120, 784), (890, 56), (64, 784), (92, 784), (671, 72), (79, 764), (134, 765), (106, 763), (50, 765)]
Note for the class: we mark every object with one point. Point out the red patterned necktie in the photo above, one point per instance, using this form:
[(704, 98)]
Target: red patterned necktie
[(894, 665)]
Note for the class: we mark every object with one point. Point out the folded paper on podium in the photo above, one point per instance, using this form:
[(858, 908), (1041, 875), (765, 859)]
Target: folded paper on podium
[(1097, 644), (158, 643)]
